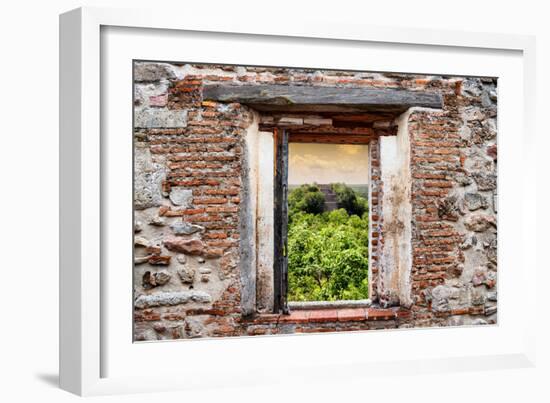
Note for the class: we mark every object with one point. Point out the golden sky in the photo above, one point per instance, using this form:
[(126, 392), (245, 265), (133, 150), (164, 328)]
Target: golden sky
[(327, 163)]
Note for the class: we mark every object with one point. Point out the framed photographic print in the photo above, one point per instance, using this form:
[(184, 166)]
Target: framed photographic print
[(235, 196)]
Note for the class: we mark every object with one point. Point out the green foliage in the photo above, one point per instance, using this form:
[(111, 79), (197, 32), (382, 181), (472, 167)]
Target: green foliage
[(327, 254), (307, 199), (349, 200)]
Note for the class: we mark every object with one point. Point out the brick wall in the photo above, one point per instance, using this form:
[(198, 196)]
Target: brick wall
[(454, 201), (188, 190), (376, 218)]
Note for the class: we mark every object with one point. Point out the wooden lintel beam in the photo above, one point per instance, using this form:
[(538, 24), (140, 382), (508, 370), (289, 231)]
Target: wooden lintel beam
[(328, 138), (333, 98), (357, 131), (351, 118), (350, 131)]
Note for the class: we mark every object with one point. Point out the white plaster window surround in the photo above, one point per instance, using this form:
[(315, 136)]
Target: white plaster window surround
[(394, 285), (393, 282)]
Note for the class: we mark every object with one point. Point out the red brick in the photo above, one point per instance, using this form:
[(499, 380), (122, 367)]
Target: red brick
[(380, 314), (158, 100), (209, 200), (213, 253), (146, 315), (295, 317), (215, 235), (355, 314), (323, 315)]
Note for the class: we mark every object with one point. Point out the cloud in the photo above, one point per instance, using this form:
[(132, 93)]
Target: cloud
[(350, 149), (327, 163)]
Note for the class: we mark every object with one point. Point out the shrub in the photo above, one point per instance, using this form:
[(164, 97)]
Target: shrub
[(328, 256)]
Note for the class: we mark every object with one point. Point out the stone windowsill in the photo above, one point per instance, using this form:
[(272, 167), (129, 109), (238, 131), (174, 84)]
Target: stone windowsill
[(334, 315), (308, 305)]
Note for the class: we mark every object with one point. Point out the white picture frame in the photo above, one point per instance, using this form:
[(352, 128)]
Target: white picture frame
[(85, 344)]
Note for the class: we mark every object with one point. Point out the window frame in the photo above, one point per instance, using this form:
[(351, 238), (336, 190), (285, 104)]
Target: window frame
[(281, 139)]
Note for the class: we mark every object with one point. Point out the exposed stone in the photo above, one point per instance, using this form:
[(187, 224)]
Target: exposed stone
[(149, 118), (178, 332), (473, 113), (455, 320), (485, 181), (479, 222), (193, 328), (205, 274), (472, 87), (478, 296), (185, 228), (480, 276), (492, 151), (489, 128), (159, 327), (138, 98), (160, 260), (138, 227), (187, 275), (492, 296), (228, 262), (188, 246), (148, 179), (463, 179), (181, 197), (440, 297), (469, 241), (181, 259), (475, 201), (447, 209), (201, 260), (156, 279), (141, 241), (147, 72), (141, 259), (147, 334), (491, 279), (157, 221), (172, 298), (490, 310), (486, 100), (491, 252), (479, 321)]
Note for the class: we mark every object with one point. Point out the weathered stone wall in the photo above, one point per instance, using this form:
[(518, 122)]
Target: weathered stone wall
[(192, 193), (454, 156)]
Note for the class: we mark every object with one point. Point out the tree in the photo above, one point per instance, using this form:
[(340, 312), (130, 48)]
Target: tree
[(307, 199), (349, 200)]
